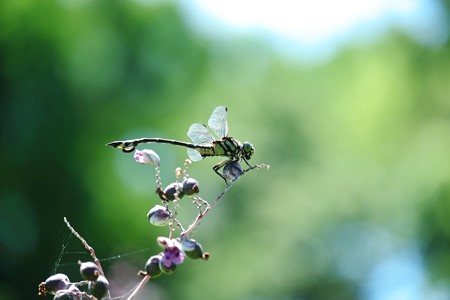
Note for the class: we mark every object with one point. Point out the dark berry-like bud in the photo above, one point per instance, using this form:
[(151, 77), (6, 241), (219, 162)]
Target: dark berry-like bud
[(89, 271), (65, 295), (232, 170), (190, 186), (55, 283), (172, 190), (72, 293), (152, 266), (99, 288), (158, 215), (192, 249)]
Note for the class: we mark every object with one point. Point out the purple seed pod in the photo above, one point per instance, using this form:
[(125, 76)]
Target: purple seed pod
[(190, 186), (152, 267), (158, 215), (192, 248), (56, 282), (89, 271), (99, 288), (172, 189)]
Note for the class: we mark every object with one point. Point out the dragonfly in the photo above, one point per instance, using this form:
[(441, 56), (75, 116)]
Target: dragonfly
[(203, 143)]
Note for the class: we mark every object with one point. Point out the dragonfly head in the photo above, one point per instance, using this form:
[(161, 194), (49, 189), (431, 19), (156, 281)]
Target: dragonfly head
[(247, 150)]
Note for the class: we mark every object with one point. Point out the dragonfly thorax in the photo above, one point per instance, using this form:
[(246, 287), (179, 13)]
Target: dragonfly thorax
[(228, 147)]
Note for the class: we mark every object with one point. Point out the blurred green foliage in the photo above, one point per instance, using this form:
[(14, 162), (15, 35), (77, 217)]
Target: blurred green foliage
[(358, 148)]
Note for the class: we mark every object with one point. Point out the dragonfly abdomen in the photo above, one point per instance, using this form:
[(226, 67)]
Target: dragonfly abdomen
[(130, 145)]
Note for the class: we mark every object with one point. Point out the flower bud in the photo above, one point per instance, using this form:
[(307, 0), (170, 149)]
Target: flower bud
[(158, 215), (178, 172), (147, 157), (164, 242), (172, 190), (172, 256), (190, 186), (152, 267), (99, 288), (167, 269), (89, 271)]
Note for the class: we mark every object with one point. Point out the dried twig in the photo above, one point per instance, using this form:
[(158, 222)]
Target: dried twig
[(89, 248)]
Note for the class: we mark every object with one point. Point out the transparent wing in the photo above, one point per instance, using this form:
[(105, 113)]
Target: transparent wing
[(218, 121), (194, 155), (199, 134)]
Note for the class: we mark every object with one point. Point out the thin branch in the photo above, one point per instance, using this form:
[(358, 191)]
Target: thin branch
[(85, 244), (185, 232), (139, 287), (208, 208), (89, 248)]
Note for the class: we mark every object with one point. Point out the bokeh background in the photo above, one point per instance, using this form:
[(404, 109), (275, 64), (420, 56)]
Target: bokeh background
[(348, 102)]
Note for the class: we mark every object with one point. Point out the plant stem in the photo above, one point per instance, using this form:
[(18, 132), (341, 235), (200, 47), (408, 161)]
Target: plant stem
[(140, 286), (89, 248)]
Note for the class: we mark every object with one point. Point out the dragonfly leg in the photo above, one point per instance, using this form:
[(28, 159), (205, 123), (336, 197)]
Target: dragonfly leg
[(219, 166), (247, 162)]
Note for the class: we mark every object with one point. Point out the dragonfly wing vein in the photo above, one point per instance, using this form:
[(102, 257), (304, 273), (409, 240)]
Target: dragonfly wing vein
[(218, 121), (194, 155), (199, 134)]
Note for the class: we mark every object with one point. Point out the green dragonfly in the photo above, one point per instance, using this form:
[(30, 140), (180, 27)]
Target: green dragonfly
[(203, 143)]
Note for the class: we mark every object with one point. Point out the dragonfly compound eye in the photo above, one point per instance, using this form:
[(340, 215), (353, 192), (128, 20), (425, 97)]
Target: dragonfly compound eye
[(248, 150)]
